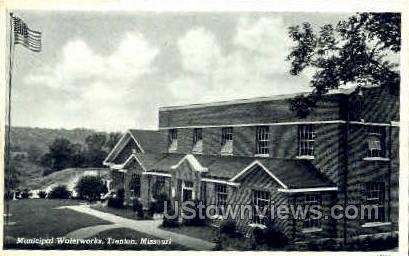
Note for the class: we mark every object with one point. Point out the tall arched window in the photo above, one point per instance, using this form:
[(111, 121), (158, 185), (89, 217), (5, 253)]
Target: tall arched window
[(135, 185)]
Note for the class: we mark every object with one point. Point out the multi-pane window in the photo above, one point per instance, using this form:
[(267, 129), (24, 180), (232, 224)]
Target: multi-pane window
[(376, 141), (188, 193), (263, 141), (173, 140), (306, 139), (375, 199), (159, 186), (227, 141), (312, 202), (261, 202), (221, 195), (197, 141), (135, 185)]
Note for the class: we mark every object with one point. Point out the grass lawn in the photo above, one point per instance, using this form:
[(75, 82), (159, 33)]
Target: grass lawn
[(37, 218), (125, 212), (202, 232), (125, 233)]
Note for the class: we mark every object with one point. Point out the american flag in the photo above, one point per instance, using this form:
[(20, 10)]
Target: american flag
[(25, 36)]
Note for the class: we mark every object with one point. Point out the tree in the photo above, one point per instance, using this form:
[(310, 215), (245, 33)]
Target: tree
[(59, 192), (90, 187), (34, 152), (355, 51), (95, 149), (60, 155), (95, 141), (112, 140)]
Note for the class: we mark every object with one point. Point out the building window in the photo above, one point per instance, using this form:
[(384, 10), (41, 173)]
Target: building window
[(227, 141), (306, 139), (173, 140), (263, 141), (375, 199), (376, 141), (261, 202), (197, 141), (135, 185), (221, 195), (311, 202), (158, 187), (188, 192)]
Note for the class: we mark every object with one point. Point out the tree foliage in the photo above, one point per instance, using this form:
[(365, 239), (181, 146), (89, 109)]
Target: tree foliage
[(59, 192), (90, 188), (355, 51), (62, 153)]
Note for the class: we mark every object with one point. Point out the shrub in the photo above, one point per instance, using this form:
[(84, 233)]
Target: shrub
[(59, 192), (137, 207), (90, 188), (42, 194), (274, 237), (120, 193), (158, 206), (196, 220), (228, 227), (330, 245), (117, 199), (258, 234), (170, 220), (115, 202), (25, 194), (270, 236), (17, 193), (8, 195)]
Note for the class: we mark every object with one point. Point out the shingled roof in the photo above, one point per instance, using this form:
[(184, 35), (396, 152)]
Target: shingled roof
[(149, 140), (293, 173)]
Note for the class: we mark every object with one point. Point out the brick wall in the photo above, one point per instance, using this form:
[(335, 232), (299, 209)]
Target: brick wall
[(126, 152), (377, 105), (328, 226), (256, 112)]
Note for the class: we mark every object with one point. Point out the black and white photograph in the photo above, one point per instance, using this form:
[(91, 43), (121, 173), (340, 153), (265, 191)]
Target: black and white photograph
[(202, 130)]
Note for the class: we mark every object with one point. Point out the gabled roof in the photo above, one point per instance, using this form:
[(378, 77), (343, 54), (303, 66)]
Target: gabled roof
[(147, 141), (192, 160), (289, 173), (150, 140)]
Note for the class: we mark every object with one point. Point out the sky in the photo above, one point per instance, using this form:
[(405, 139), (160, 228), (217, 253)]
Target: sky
[(111, 71)]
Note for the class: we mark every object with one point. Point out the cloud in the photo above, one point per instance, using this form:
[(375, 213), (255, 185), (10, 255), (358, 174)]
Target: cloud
[(98, 88), (199, 51), (253, 66), (123, 89)]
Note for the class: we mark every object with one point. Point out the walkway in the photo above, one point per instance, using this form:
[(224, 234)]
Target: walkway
[(149, 227)]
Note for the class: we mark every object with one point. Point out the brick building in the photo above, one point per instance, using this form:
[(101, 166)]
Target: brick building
[(259, 153)]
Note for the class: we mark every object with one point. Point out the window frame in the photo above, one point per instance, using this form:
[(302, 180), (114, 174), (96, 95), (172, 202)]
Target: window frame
[(197, 147), (378, 134), (136, 193), (377, 200), (227, 141), (263, 141), (312, 200), (222, 195), (306, 140), (257, 197), (159, 186), (172, 140)]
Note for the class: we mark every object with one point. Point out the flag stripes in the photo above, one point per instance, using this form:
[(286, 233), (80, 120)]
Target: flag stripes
[(23, 35)]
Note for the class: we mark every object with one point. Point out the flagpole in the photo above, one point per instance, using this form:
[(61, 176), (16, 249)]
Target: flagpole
[(8, 144)]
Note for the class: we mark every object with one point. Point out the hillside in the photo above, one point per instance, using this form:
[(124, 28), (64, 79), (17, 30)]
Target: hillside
[(23, 139), (66, 177), (30, 144)]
